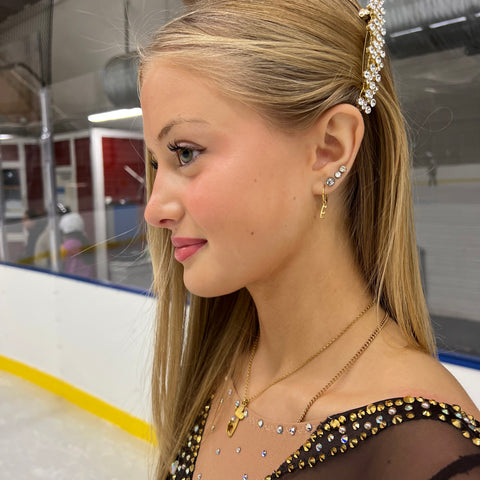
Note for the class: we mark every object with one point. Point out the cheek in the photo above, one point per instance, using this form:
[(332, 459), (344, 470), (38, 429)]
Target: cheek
[(245, 208), (218, 205)]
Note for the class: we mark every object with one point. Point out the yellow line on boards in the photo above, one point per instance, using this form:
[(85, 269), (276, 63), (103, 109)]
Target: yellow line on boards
[(125, 421)]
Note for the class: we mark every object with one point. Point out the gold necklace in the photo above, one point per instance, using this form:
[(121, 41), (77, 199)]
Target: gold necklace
[(240, 409), (345, 368)]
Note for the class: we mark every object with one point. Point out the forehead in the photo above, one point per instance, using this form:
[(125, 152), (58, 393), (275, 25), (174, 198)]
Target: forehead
[(171, 94), (170, 89)]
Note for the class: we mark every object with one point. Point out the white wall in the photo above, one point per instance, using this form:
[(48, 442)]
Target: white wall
[(470, 380), (93, 337)]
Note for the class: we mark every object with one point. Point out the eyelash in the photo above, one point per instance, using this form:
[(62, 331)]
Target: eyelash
[(177, 149)]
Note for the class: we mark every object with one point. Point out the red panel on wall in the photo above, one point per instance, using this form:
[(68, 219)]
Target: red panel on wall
[(123, 161), (9, 153), (62, 153), (84, 183), (34, 178)]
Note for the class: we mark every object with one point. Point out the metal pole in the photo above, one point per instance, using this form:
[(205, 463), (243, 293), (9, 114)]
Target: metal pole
[(127, 26), (48, 175), (3, 228)]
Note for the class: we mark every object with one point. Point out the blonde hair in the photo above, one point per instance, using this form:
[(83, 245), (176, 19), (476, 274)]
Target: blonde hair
[(291, 60)]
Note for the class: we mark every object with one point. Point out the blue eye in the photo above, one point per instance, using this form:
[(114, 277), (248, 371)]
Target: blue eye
[(185, 155)]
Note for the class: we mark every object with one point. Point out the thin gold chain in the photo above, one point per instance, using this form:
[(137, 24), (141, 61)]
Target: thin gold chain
[(345, 368), (247, 400)]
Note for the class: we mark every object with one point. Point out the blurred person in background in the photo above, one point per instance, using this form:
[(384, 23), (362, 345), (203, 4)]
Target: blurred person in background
[(34, 224), (42, 247), (75, 246)]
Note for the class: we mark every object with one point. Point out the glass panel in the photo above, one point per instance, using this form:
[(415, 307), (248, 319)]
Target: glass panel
[(440, 92), (99, 174)]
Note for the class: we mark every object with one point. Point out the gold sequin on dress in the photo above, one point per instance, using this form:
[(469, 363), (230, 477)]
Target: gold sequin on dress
[(394, 439)]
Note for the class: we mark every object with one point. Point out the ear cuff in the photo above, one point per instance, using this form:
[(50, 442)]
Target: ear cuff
[(330, 183), (331, 180)]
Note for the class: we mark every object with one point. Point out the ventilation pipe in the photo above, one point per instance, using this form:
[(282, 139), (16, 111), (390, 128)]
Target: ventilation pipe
[(428, 26), (419, 28), (120, 73)]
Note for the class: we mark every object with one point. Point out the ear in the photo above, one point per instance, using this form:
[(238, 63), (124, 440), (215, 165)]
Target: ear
[(337, 136)]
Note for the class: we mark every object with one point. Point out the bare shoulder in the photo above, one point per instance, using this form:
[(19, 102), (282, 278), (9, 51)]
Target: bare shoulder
[(417, 373)]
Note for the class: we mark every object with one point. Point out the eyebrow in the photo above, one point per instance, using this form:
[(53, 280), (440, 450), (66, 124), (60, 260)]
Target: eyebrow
[(166, 129)]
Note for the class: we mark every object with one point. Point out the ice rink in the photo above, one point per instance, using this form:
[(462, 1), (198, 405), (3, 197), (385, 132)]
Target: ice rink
[(45, 437)]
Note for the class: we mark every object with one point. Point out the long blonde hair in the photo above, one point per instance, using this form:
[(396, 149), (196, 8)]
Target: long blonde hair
[(291, 60)]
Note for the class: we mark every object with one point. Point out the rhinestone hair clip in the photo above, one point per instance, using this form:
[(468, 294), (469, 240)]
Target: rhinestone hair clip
[(373, 53)]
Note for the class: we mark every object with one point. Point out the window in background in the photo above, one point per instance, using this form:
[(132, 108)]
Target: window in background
[(437, 64)]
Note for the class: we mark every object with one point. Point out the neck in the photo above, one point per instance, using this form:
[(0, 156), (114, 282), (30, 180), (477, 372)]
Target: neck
[(303, 308)]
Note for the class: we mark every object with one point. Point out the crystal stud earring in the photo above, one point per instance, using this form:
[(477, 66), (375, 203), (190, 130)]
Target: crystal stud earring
[(331, 180)]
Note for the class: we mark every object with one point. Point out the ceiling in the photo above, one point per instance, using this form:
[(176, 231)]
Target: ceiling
[(12, 7), (88, 33)]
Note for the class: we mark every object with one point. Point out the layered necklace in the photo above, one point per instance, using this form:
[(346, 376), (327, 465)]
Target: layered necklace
[(240, 410)]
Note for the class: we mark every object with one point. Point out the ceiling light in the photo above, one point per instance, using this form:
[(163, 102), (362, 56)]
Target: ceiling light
[(115, 115), (5, 137), (448, 22), (406, 32)]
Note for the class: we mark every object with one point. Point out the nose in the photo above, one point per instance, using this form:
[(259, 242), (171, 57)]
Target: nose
[(164, 208)]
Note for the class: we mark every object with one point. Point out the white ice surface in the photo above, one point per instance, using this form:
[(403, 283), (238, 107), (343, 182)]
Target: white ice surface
[(43, 436)]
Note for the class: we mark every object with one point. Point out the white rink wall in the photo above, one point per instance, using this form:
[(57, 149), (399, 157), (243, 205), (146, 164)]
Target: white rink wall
[(93, 337), (470, 380)]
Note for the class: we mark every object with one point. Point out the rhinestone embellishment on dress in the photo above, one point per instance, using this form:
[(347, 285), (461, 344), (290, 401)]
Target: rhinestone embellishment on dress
[(337, 435), (174, 467)]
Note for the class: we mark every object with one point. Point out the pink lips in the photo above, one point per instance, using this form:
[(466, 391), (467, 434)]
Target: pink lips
[(186, 247)]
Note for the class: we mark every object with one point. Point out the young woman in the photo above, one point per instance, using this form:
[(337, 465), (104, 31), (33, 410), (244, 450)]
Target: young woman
[(293, 337)]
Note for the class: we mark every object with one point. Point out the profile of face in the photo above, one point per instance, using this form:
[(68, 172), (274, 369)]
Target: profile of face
[(235, 192)]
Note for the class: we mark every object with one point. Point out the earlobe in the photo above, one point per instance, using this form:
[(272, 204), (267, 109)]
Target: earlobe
[(338, 133)]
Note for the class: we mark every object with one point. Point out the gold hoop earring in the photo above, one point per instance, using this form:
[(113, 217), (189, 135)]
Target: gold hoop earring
[(323, 211)]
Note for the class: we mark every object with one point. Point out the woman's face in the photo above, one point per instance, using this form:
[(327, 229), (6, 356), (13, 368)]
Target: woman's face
[(233, 190)]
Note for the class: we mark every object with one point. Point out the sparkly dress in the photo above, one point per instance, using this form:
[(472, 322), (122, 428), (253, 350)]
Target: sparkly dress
[(396, 439)]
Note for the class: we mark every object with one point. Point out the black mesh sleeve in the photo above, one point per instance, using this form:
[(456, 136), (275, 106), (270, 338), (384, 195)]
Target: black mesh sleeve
[(419, 450)]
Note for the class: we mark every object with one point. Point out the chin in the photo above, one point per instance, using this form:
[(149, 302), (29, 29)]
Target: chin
[(202, 287)]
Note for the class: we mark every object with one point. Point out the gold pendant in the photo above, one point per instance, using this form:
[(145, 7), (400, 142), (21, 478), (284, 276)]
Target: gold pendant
[(239, 415), (323, 212)]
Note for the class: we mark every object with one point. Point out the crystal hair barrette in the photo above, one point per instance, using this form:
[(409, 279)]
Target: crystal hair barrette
[(373, 53)]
